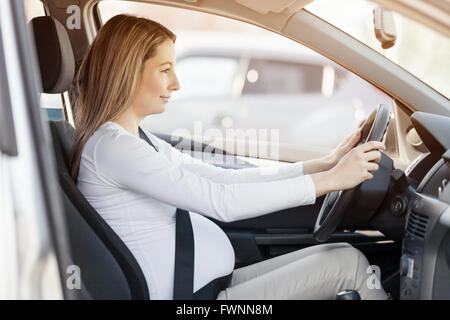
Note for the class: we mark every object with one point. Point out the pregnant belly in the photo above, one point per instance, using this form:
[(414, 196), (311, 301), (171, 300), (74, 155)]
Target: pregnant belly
[(214, 255)]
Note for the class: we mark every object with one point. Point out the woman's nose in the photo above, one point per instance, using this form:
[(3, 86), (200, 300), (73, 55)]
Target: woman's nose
[(175, 84)]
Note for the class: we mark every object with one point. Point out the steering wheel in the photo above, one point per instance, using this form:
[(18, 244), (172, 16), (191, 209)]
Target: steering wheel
[(336, 203)]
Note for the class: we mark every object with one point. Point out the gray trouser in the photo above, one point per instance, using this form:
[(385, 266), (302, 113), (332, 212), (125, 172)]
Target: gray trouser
[(317, 272)]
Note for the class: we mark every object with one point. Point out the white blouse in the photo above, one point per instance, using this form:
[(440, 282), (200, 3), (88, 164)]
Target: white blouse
[(137, 190)]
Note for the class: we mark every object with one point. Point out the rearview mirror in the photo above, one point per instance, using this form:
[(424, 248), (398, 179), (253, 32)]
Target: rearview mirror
[(384, 27)]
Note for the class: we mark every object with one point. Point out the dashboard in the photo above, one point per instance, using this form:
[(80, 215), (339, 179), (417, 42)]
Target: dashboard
[(425, 260)]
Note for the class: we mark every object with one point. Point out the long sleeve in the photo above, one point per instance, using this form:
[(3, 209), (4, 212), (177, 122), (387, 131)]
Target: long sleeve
[(129, 162), (228, 176)]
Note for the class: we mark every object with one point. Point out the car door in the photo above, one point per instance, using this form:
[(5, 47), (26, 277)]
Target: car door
[(33, 238)]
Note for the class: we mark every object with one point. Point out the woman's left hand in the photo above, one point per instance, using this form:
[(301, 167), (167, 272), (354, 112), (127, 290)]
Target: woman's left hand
[(345, 146)]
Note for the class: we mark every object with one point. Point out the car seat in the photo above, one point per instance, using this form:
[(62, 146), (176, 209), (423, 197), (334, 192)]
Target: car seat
[(107, 267)]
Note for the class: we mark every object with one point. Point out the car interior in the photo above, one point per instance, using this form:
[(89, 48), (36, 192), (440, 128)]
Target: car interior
[(400, 220)]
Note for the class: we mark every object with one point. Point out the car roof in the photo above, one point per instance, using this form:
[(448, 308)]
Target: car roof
[(433, 13)]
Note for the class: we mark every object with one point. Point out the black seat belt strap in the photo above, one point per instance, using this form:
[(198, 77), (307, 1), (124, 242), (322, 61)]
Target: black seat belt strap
[(183, 288), (144, 136)]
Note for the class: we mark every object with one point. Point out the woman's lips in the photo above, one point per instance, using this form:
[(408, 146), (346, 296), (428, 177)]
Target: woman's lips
[(166, 99)]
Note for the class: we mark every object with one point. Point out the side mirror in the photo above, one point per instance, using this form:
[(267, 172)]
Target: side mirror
[(384, 26)]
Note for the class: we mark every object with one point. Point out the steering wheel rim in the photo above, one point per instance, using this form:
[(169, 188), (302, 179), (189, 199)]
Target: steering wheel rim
[(337, 202)]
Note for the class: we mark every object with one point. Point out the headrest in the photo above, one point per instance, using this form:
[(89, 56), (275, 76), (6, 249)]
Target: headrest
[(56, 60)]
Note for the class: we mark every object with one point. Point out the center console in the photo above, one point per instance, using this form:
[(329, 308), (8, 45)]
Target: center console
[(425, 261)]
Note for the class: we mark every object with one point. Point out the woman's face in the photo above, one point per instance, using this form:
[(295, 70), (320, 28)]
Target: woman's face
[(157, 82)]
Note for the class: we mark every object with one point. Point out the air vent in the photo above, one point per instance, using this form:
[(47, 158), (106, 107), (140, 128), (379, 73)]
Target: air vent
[(417, 225)]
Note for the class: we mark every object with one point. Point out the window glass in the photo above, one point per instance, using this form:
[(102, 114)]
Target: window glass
[(423, 52), (199, 72), (53, 105), (50, 103), (236, 77), (280, 77)]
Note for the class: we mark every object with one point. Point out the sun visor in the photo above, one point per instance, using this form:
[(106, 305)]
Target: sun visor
[(266, 6)]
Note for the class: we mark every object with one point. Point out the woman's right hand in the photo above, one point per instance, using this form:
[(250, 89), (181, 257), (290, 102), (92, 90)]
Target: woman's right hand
[(357, 166)]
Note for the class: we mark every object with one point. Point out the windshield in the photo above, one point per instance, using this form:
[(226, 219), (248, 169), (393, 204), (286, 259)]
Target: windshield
[(421, 51)]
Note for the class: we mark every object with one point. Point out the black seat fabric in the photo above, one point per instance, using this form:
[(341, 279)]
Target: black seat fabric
[(101, 252), (101, 276)]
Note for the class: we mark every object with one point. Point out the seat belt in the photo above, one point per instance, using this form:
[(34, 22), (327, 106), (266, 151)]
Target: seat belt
[(183, 288), (144, 136)]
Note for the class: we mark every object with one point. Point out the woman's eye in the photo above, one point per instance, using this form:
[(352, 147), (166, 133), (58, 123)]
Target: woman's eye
[(166, 70)]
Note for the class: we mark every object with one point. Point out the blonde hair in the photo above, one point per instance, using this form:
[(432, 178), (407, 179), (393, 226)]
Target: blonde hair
[(109, 75)]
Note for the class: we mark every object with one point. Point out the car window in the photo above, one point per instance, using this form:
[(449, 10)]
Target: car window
[(199, 72), (278, 100), (280, 77), (423, 52), (52, 104)]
